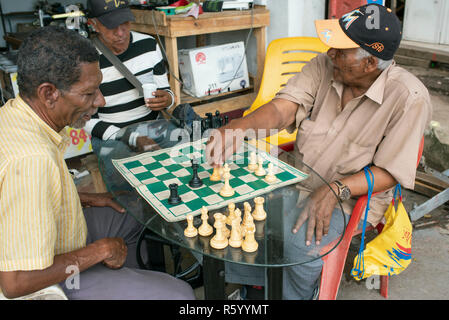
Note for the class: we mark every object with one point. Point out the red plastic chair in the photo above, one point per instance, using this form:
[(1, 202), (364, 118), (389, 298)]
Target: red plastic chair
[(334, 262)]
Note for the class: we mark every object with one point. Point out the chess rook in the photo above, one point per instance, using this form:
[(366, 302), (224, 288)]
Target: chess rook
[(174, 197)]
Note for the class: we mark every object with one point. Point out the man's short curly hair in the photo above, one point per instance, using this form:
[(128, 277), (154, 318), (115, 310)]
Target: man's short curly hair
[(52, 54)]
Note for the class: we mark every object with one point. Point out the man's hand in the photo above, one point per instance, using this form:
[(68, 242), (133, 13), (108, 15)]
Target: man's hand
[(318, 211), (116, 251), (143, 143), (224, 142), (99, 200), (162, 99)]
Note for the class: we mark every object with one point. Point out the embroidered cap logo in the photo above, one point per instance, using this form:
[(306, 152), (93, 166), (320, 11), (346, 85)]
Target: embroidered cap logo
[(350, 17)]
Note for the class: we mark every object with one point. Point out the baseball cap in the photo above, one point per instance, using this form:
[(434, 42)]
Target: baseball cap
[(372, 27), (111, 13)]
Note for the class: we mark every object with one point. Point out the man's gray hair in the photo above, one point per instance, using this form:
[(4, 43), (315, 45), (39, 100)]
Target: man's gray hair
[(381, 64)]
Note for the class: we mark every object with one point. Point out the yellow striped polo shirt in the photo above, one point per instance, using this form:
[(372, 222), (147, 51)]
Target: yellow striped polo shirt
[(40, 210)]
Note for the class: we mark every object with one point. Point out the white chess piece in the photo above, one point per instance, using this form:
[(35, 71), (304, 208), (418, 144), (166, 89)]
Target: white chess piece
[(259, 213), (190, 231), (205, 229), (252, 166), (219, 241), (250, 244), (270, 177), (248, 220), (260, 171), (236, 238), (216, 174), (227, 190), (231, 216)]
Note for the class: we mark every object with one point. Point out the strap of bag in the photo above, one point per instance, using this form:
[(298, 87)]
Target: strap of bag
[(359, 268)]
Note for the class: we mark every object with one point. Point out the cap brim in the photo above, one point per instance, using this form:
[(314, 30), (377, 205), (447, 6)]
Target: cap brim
[(331, 34), (113, 19)]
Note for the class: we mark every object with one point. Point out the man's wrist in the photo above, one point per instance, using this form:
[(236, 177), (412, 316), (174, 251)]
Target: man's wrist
[(343, 191)]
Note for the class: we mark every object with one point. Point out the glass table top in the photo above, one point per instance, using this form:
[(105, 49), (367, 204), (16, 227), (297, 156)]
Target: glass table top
[(273, 235)]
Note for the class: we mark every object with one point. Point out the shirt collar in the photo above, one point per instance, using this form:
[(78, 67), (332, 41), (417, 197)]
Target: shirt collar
[(61, 139), (375, 92)]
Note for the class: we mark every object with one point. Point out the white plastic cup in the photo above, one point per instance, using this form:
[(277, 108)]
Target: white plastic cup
[(148, 89)]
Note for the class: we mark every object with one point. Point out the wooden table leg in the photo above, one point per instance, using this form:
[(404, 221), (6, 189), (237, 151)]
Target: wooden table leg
[(171, 49)]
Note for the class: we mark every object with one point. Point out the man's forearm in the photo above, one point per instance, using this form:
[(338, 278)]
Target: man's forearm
[(358, 184), (273, 115), (19, 283)]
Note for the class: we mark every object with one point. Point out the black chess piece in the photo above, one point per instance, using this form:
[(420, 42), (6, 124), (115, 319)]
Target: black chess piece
[(174, 197), (195, 182)]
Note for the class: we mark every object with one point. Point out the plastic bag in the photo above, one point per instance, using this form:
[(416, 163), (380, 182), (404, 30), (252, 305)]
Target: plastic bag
[(390, 252)]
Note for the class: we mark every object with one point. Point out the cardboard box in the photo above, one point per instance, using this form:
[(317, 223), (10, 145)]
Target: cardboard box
[(212, 70)]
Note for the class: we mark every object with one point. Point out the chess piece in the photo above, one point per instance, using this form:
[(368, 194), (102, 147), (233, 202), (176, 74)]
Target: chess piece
[(252, 166), (219, 241), (222, 218), (231, 216), (260, 171), (190, 231), (216, 175), (227, 190), (248, 220), (235, 240), (270, 177), (205, 229), (238, 216), (259, 213), (249, 244), (174, 198), (195, 182)]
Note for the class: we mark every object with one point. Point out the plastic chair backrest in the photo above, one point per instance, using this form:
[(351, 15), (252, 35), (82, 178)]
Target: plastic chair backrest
[(285, 57)]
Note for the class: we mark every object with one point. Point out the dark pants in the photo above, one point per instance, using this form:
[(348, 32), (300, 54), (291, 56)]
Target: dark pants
[(129, 282)]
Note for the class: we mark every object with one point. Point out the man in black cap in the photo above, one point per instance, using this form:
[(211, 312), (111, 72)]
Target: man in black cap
[(353, 107), (141, 54)]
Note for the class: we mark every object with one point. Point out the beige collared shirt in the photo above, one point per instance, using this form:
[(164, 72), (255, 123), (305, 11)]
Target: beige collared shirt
[(40, 210), (383, 127)]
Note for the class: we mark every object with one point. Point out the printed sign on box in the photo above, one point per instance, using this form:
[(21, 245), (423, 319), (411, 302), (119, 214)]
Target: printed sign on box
[(212, 70), (80, 143)]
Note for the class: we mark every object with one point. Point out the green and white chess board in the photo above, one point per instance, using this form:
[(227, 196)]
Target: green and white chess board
[(151, 173)]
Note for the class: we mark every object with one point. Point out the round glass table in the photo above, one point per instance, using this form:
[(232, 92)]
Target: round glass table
[(282, 204)]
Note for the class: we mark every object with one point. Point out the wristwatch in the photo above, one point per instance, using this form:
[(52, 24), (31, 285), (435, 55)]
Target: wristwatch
[(343, 191)]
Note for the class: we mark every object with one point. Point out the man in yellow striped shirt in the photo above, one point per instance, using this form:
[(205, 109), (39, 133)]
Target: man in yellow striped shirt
[(43, 229)]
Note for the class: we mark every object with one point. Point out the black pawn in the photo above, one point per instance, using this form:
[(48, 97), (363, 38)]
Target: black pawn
[(195, 182), (174, 197)]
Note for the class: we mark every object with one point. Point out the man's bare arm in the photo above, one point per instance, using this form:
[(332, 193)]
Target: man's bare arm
[(111, 251), (276, 114)]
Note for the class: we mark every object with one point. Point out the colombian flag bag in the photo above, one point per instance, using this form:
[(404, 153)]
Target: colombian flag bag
[(390, 252)]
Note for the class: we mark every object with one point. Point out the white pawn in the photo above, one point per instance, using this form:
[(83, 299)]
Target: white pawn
[(260, 171), (252, 166), (270, 177), (259, 213), (216, 174), (205, 229), (190, 231), (227, 190)]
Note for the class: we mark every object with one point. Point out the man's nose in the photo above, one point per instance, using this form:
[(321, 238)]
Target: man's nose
[(119, 31), (99, 100)]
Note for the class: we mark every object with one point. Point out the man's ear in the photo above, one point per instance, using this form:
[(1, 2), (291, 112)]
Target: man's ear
[(371, 64), (48, 94)]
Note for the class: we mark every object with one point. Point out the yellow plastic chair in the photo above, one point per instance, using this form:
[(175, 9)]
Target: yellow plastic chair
[(285, 57)]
